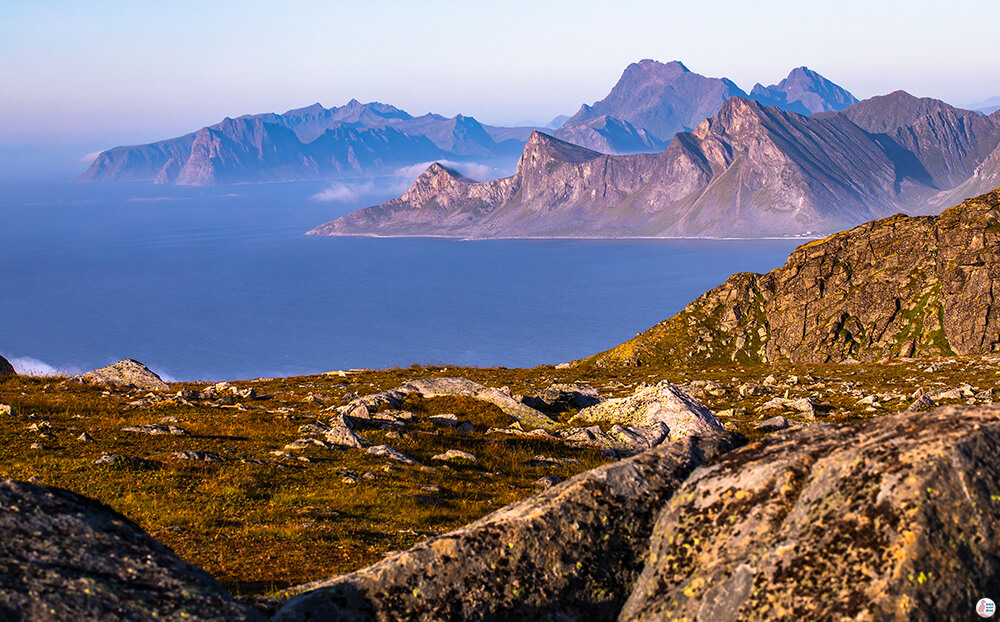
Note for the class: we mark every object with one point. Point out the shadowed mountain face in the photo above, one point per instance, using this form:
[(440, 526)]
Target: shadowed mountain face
[(654, 101), (749, 171), (897, 287), (307, 143), (804, 91)]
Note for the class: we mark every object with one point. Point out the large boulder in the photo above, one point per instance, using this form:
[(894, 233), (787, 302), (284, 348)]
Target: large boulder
[(897, 518), (663, 403), (6, 369), (126, 373), (66, 557), (571, 552)]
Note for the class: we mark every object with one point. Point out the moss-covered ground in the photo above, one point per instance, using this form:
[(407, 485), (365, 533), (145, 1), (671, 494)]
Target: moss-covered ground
[(261, 521)]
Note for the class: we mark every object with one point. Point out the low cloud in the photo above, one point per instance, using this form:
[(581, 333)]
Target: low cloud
[(90, 157), (27, 366), (338, 192), (472, 170)]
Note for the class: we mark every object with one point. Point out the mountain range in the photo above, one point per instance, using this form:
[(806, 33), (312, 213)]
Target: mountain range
[(750, 170), (650, 103), (654, 101), (308, 143)]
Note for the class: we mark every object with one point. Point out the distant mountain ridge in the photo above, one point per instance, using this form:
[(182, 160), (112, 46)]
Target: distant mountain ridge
[(749, 171), (307, 143), (653, 101), (650, 103)]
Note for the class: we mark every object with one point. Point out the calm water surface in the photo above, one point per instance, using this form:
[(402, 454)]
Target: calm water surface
[(221, 283)]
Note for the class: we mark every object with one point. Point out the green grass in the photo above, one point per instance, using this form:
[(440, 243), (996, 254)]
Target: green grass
[(261, 522)]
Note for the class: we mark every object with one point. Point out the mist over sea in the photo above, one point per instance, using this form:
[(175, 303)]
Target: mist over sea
[(220, 283)]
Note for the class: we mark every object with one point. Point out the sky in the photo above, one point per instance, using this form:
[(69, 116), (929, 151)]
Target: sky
[(77, 77)]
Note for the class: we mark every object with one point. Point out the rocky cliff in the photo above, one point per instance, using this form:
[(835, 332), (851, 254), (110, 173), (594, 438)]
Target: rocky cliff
[(896, 287), (751, 170)]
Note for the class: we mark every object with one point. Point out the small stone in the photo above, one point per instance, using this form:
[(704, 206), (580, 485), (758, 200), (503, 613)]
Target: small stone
[(772, 424), (85, 438), (547, 481), (369, 475), (302, 443), (6, 409), (37, 446), (200, 456), (388, 452), (456, 455), (156, 429), (446, 420)]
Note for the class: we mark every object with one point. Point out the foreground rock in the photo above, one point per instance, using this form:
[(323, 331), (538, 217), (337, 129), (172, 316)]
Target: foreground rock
[(570, 552), (896, 287), (66, 557), (126, 373), (6, 369), (894, 518)]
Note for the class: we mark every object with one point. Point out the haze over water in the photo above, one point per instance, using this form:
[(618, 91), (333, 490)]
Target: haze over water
[(217, 283)]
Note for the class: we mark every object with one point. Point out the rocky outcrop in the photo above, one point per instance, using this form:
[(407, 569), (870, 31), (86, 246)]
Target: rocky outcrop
[(6, 369), (663, 403), (897, 518), (66, 557), (125, 373), (748, 171), (896, 287), (571, 552), (366, 406)]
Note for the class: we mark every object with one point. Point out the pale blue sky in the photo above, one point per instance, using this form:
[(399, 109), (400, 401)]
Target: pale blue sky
[(102, 73)]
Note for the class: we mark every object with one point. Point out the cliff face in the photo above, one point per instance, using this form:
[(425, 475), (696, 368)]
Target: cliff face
[(749, 171), (895, 287)]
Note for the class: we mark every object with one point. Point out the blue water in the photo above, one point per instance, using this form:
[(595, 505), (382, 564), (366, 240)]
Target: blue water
[(221, 283)]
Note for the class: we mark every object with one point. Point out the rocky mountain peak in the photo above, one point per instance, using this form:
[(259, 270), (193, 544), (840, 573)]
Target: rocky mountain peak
[(804, 91), (651, 69), (542, 149)]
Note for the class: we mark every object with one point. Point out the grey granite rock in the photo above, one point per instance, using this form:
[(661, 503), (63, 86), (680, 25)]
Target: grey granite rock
[(571, 552), (895, 518), (66, 557)]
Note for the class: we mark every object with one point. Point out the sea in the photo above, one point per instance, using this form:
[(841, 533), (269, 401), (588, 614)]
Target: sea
[(221, 283)]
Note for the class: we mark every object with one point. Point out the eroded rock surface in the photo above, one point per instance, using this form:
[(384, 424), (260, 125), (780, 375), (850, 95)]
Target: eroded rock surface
[(571, 552), (128, 372), (663, 403), (896, 287), (66, 557), (894, 518)]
